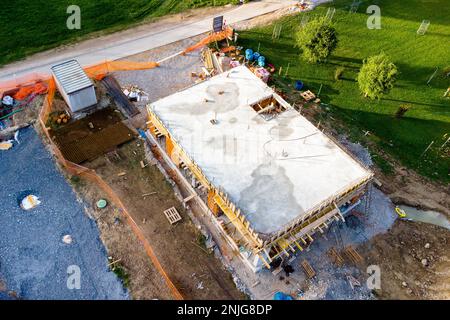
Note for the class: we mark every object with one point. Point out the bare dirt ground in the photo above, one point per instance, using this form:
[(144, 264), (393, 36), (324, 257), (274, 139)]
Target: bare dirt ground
[(180, 248), (405, 186), (400, 253), (121, 243)]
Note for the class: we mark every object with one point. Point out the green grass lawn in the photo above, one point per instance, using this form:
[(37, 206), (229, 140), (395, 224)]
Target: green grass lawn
[(416, 57), (30, 26)]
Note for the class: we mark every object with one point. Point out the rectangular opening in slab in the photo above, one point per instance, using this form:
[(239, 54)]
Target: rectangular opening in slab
[(268, 108)]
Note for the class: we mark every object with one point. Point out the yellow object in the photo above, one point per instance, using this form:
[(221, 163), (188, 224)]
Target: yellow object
[(401, 213), (6, 145)]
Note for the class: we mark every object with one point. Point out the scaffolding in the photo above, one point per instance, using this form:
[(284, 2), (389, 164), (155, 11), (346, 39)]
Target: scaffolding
[(288, 240)]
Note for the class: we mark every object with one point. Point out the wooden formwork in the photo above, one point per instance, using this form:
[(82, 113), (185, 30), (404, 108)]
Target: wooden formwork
[(309, 271), (335, 257), (352, 255)]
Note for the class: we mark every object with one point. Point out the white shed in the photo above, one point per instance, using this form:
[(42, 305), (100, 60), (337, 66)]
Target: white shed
[(74, 85)]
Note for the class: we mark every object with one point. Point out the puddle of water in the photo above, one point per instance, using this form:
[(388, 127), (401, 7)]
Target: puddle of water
[(426, 216)]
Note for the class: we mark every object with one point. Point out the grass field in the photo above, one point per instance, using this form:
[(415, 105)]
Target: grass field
[(417, 57), (30, 26)]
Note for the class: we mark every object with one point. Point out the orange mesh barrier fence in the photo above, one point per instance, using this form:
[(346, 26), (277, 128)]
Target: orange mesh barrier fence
[(47, 105), (25, 91), (228, 32), (92, 176), (99, 71), (41, 83), (24, 81)]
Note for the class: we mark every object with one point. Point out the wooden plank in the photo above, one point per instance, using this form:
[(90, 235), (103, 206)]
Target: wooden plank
[(309, 271), (336, 257), (352, 255)]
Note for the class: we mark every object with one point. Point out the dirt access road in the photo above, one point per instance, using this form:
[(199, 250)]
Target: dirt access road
[(142, 38)]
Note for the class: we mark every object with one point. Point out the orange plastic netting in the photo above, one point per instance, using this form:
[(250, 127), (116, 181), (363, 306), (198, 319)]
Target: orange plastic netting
[(218, 36), (99, 71), (34, 83), (44, 83), (37, 88)]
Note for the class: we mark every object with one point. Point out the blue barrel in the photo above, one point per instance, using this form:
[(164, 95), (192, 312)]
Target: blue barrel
[(249, 54), (282, 296), (298, 85), (261, 61), (256, 56)]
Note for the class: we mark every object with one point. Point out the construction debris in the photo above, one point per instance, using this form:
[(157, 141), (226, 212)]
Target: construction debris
[(8, 101), (172, 215), (134, 93), (67, 239), (336, 257), (6, 145), (308, 95), (101, 203), (143, 165), (309, 271), (353, 282), (352, 255), (29, 202)]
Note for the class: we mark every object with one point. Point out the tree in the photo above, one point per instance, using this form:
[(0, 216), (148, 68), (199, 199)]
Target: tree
[(377, 76), (317, 40)]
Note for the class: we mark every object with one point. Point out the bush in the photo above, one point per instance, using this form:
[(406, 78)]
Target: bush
[(402, 110), (377, 76), (338, 73), (317, 40)]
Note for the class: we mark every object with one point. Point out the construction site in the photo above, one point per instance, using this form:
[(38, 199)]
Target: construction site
[(189, 152), (248, 155)]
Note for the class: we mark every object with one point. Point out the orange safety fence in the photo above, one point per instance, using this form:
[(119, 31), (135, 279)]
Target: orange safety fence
[(92, 176), (99, 71), (44, 83), (23, 81), (25, 91), (217, 36)]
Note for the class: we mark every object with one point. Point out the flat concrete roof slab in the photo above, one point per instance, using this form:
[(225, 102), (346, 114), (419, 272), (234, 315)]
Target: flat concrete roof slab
[(274, 171)]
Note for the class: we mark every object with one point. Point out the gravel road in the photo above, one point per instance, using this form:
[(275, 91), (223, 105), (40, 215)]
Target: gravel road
[(34, 260)]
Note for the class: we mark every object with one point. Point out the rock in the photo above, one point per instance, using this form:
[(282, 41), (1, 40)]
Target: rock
[(67, 239), (427, 245), (404, 284), (424, 262)]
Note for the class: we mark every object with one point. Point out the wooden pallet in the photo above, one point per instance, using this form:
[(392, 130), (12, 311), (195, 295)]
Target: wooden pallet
[(336, 257), (172, 215), (309, 271), (352, 255), (308, 95)]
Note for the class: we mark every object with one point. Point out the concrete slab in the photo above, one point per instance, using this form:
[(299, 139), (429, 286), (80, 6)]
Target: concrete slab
[(274, 171)]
